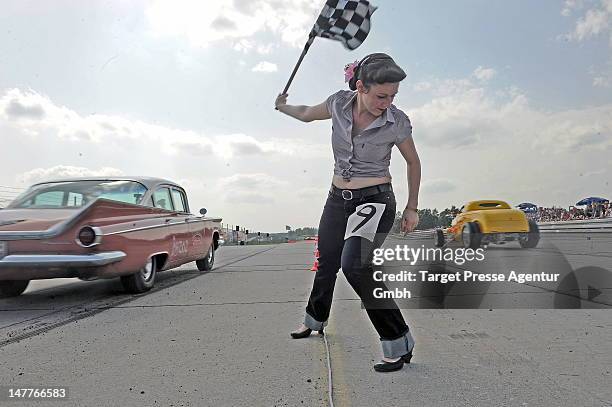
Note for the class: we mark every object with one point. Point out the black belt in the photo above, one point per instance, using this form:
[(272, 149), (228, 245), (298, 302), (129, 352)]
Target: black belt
[(348, 194)]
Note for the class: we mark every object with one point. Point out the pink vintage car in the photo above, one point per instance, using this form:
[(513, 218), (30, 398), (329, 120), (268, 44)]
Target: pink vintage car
[(90, 228)]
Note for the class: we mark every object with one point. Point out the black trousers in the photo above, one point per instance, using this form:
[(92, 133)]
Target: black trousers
[(354, 256)]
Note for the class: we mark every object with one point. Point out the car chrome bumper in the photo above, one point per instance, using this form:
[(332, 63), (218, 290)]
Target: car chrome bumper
[(58, 260)]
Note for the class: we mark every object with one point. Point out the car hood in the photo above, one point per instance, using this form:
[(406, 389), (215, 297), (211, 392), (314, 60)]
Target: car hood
[(27, 220)]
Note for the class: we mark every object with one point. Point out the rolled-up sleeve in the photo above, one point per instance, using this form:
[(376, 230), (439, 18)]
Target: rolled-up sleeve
[(404, 129), (329, 102)]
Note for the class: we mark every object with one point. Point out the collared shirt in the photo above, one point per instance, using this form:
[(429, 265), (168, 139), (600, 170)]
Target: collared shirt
[(368, 154)]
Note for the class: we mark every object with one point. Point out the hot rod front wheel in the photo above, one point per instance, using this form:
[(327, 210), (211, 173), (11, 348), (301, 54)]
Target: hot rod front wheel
[(143, 280), (471, 235), (439, 240), (207, 263), (531, 239), (13, 288)]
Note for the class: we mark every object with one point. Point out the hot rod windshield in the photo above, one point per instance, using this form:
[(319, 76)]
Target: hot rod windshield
[(73, 194)]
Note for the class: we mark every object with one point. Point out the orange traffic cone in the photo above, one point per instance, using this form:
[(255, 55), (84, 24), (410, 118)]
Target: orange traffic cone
[(315, 266)]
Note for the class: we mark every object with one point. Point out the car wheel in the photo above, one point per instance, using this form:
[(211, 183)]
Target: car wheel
[(471, 236), (530, 240), (207, 263), (13, 288), (143, 280), (439, 240)]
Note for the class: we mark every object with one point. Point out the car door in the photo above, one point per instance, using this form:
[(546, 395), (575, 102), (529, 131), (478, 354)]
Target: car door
[(176, 229), (199, 237)]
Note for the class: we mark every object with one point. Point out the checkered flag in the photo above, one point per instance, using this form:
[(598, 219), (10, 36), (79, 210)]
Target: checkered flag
[(347, 21)]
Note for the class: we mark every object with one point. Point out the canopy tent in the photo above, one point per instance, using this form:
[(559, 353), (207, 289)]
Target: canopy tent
[(590, 201), (527, 207)]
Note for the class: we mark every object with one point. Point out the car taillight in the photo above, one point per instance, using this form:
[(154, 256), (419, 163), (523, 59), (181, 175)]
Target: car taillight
[(88, 236)]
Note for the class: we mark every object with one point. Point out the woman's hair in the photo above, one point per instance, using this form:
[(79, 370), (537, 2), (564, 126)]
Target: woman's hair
[(377, 68)]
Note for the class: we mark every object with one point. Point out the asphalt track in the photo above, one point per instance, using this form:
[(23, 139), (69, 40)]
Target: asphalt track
[(221, 338)]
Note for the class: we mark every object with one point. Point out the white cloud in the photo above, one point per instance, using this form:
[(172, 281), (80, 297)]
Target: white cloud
[(602, 82), (422, 86), (463, 114), (575, 131), (37, 116), (571, 5), (265, 66), (484, 74), (203, 23), (594, 22), (64, 171)]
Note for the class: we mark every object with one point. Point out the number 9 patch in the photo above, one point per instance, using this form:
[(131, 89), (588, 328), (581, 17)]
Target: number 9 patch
[(364, 221)]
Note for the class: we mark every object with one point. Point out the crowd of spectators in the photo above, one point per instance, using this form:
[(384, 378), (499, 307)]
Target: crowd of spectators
[(593, 211)]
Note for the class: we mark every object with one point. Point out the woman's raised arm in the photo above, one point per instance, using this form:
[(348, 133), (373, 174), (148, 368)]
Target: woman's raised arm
[(302, 112)]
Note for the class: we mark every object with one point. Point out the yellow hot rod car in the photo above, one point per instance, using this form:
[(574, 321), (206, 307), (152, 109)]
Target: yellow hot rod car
[(489, 221)]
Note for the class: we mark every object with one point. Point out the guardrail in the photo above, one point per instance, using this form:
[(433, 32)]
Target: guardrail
[(578, 226), (571, 226)]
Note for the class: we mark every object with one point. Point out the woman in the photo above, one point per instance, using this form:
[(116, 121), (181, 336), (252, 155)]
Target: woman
[(360, 208)]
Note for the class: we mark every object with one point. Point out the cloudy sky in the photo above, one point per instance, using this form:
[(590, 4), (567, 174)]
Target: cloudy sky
[(508, 99)]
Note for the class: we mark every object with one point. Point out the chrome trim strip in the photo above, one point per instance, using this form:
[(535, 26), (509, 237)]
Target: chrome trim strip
[(56, 260), (144, 228)]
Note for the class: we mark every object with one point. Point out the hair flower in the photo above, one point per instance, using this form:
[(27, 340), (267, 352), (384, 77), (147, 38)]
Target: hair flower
[(349, 71)]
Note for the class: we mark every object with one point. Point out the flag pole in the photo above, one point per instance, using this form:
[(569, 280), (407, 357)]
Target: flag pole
[(311, 38)]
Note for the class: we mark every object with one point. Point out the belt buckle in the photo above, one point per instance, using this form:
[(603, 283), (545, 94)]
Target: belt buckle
[(350, 194)]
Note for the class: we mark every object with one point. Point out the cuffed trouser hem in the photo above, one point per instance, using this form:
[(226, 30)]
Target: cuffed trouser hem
[(313, 324), (397, 347)]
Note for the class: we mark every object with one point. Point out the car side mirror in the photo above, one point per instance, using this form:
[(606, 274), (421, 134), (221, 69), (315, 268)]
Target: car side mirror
[(203, 211)]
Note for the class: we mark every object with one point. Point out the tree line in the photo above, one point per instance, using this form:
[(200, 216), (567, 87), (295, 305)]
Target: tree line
[(429, 219)]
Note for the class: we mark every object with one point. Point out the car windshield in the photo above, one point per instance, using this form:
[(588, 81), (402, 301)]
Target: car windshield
[(71, 194)]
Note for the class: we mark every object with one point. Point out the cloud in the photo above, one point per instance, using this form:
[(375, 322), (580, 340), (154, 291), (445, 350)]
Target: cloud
[(246, 45), (250, 188), (15, 109), (463, 118), (68, 125), (484, 74), (440, 185), (223, 23), (64, 171), (602, 77), (249, 198), (265, 66), (205, 23), (422, 86), (247, 148), (465, 115), (596, 21), (236, 145), (251, 182), (197, 148), (602, 82), (571, 5), (575, 130)]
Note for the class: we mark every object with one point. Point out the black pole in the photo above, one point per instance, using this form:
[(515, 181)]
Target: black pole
[(306, 47)]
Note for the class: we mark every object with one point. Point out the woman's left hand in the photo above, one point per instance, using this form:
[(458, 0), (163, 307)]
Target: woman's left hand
[(410, 219)]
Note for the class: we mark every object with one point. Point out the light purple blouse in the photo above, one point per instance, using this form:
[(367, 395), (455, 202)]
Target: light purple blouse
[(367, 154)]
